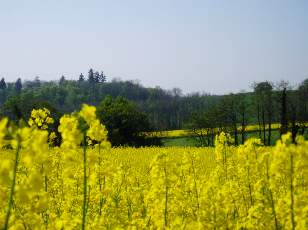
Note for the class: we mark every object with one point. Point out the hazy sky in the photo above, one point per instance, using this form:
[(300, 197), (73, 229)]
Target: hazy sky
[(198, 45)]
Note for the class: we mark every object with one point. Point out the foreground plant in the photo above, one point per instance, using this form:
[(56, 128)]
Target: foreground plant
[(82, 128)]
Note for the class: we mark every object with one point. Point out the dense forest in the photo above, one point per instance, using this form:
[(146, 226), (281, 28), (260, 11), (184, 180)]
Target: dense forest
[(166, 109)]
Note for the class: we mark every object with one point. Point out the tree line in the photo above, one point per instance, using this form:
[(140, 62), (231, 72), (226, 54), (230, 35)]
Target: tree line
[(166, 109), (267, 104)]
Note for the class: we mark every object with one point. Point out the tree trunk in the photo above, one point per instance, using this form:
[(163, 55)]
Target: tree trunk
[(264, 127), (294, 125), (269, 128), (259, 122), (243, 128), (235, 136), (284, 121)]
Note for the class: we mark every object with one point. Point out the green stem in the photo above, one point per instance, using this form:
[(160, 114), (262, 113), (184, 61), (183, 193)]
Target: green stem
[(292, 190), (166, 198), (46, 183), (10, 204), (195, 182), (99, 167), (225, 163), (271, 196), (84, 210)]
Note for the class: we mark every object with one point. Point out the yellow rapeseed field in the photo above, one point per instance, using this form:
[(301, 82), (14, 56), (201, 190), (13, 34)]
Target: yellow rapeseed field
[(189, 133), (85, 184)]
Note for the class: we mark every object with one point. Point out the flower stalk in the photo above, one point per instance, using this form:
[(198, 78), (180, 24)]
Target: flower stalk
[(11, 197)]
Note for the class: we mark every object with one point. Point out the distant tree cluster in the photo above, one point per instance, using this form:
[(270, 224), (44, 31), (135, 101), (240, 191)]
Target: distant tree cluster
[(124, 122), (168, 109), (267, 104)]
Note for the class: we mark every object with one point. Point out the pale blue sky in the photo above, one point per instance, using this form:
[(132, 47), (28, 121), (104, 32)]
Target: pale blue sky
[(198, 45)]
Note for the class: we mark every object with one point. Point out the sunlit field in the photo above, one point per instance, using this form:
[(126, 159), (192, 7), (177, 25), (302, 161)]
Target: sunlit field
[(98, 187), (188, 133)]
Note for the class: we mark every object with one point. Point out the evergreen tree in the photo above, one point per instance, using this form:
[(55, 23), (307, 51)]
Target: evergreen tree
[(37, 82), (2, 91), (2, 84), (81, 78), (62, 80), (102, 77), (96, 77), (18, 86), (91, 79)]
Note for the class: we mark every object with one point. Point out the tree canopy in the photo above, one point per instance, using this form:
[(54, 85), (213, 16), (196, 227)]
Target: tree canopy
[(123, 120)]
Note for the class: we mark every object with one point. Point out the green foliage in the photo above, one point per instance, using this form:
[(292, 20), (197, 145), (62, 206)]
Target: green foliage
[(166, 109), (123, 120)]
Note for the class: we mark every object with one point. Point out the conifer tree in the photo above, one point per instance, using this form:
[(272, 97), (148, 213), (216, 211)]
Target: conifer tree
[(2, 84), (18, 86)]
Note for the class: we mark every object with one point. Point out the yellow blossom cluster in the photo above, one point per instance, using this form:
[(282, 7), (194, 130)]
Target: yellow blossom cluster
[(40, 118)]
